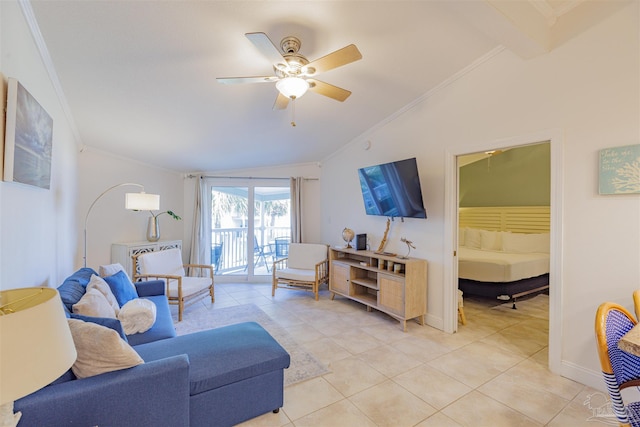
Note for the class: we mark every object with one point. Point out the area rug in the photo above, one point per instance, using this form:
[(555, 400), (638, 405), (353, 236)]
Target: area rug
[(537, 306), (303, 366)]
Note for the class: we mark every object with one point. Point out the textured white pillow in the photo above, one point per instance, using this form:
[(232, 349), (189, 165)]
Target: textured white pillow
[(461, 232), (137, 316), (472, 238), (99, 284), (110, 269), (100, 350), (94, 304)]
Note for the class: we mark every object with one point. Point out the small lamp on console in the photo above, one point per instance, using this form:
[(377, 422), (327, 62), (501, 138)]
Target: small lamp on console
[(36, 346)]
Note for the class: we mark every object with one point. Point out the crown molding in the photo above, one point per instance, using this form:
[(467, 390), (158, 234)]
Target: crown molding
[(34, 28)]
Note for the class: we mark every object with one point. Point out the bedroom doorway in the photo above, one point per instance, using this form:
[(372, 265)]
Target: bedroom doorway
[(453, 194)]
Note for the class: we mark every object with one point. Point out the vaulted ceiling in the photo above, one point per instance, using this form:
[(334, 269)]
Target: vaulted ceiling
[(139, 77)]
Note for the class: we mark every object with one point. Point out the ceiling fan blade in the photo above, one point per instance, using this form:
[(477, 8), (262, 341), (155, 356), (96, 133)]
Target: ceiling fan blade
[(340, 57), (243, 80), (266, 47), (281, 102), (326, 89)]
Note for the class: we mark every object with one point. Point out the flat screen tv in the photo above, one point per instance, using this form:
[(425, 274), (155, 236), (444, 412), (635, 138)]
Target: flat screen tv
[(392, 189)]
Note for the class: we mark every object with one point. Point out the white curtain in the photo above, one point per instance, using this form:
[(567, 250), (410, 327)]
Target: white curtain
[(296, 209), (201, 236)]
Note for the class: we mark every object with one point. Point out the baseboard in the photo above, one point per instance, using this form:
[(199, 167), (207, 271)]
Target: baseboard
[(593, 379)]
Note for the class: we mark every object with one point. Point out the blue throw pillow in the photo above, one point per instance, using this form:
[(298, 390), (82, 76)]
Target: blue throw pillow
[(104, 321), (121, 287)]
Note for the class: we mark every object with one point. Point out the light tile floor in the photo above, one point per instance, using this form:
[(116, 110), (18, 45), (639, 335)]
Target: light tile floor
[(492, 372)]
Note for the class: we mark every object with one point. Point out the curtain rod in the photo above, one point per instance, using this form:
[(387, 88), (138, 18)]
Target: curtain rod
[(191, 176)]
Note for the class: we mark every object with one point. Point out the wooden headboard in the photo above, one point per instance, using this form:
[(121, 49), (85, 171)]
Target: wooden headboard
[(517, 219)]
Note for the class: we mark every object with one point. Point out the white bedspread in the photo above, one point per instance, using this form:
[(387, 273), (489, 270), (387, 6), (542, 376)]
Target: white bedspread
[(494, 266)]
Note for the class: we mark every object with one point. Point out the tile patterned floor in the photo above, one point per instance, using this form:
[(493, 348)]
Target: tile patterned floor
[(491, 373)]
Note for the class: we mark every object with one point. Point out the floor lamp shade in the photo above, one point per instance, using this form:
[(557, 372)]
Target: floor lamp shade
[(142, 201), (36, 346)]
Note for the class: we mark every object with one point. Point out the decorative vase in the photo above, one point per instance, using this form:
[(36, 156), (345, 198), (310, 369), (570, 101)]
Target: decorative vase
[(153, 229)]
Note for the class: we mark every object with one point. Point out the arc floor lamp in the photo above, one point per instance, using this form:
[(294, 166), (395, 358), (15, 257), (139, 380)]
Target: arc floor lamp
[(133, 201)]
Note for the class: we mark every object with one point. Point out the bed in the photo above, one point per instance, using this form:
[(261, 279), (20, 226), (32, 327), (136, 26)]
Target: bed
[(503, 252)]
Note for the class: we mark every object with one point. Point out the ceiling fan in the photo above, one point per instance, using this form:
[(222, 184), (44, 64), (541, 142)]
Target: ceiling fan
[(294, 74)]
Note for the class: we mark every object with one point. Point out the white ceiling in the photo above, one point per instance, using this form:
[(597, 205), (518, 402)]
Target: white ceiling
[(139, 76)]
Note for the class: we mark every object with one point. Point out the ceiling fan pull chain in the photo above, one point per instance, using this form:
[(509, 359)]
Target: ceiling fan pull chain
[(293, 111)]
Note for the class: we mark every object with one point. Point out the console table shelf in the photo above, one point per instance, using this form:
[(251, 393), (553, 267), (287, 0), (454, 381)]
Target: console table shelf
[(395, 286)]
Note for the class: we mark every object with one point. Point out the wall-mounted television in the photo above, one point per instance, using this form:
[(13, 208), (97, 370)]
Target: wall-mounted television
[(392, 189)]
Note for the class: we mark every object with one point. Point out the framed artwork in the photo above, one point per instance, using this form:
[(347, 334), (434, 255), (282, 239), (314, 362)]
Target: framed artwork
[(620, 170), (28, 138), (3, 119)]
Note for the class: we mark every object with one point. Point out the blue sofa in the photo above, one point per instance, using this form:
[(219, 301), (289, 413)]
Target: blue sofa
[(218, 377)]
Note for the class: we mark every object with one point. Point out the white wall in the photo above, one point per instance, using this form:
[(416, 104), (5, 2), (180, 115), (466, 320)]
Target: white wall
[(109, 222), (37, 226), (588, 88)]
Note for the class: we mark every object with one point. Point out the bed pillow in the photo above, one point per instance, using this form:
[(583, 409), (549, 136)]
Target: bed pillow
[(99, 284), (461, 236), (524, 243), (121, 287), (472, 238), (137, 316), (100, 350), (490, 240), (94, 304)]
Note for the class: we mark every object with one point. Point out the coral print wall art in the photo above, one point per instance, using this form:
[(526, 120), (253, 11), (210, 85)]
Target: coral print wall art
[(29, 131), (620, 170)]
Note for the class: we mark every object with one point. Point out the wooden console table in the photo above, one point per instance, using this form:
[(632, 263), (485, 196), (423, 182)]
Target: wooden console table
[(364, 276)]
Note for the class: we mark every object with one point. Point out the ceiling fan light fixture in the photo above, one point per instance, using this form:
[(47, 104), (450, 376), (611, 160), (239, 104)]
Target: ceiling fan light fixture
[(292, 87)]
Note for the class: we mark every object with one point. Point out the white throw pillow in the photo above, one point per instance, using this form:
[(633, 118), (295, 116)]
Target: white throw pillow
[(472, 238), (99, 284), (94, 304), (100, 349), (110, 269), (461, 232), (137, 316)]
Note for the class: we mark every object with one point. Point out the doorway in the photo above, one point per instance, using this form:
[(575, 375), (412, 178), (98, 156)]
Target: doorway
[(247, 220), (451, 233)]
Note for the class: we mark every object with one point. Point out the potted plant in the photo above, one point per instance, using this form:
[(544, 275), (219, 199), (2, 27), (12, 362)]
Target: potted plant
[(153, 227)]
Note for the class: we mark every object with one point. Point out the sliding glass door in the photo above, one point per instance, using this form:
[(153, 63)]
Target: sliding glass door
[(248, 217)]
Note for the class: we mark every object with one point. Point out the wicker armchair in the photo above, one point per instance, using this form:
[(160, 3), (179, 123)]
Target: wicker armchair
[(306, 267), (181, 288)]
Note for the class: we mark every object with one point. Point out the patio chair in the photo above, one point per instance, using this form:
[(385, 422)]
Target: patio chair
[(216, 256), (181, 288), (619, 368), (306, 267), (258, 254), (282, 247)]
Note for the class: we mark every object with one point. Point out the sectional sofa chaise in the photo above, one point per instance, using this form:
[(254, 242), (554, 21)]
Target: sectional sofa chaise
[(218, 377)]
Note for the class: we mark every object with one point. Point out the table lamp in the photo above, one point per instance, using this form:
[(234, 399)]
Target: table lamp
[(36, 346)]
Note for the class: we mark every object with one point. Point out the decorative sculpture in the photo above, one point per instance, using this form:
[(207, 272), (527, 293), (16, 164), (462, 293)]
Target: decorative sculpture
[(410, 246), (384, 237)]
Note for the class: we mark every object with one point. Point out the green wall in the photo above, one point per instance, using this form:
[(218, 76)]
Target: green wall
[(516, 177)]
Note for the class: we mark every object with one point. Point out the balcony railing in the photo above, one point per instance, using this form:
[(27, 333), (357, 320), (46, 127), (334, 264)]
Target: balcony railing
[(233, 249)]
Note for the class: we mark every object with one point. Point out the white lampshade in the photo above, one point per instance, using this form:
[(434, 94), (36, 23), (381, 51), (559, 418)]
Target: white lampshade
[(292, 87), (142, 201), (36, 346)]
